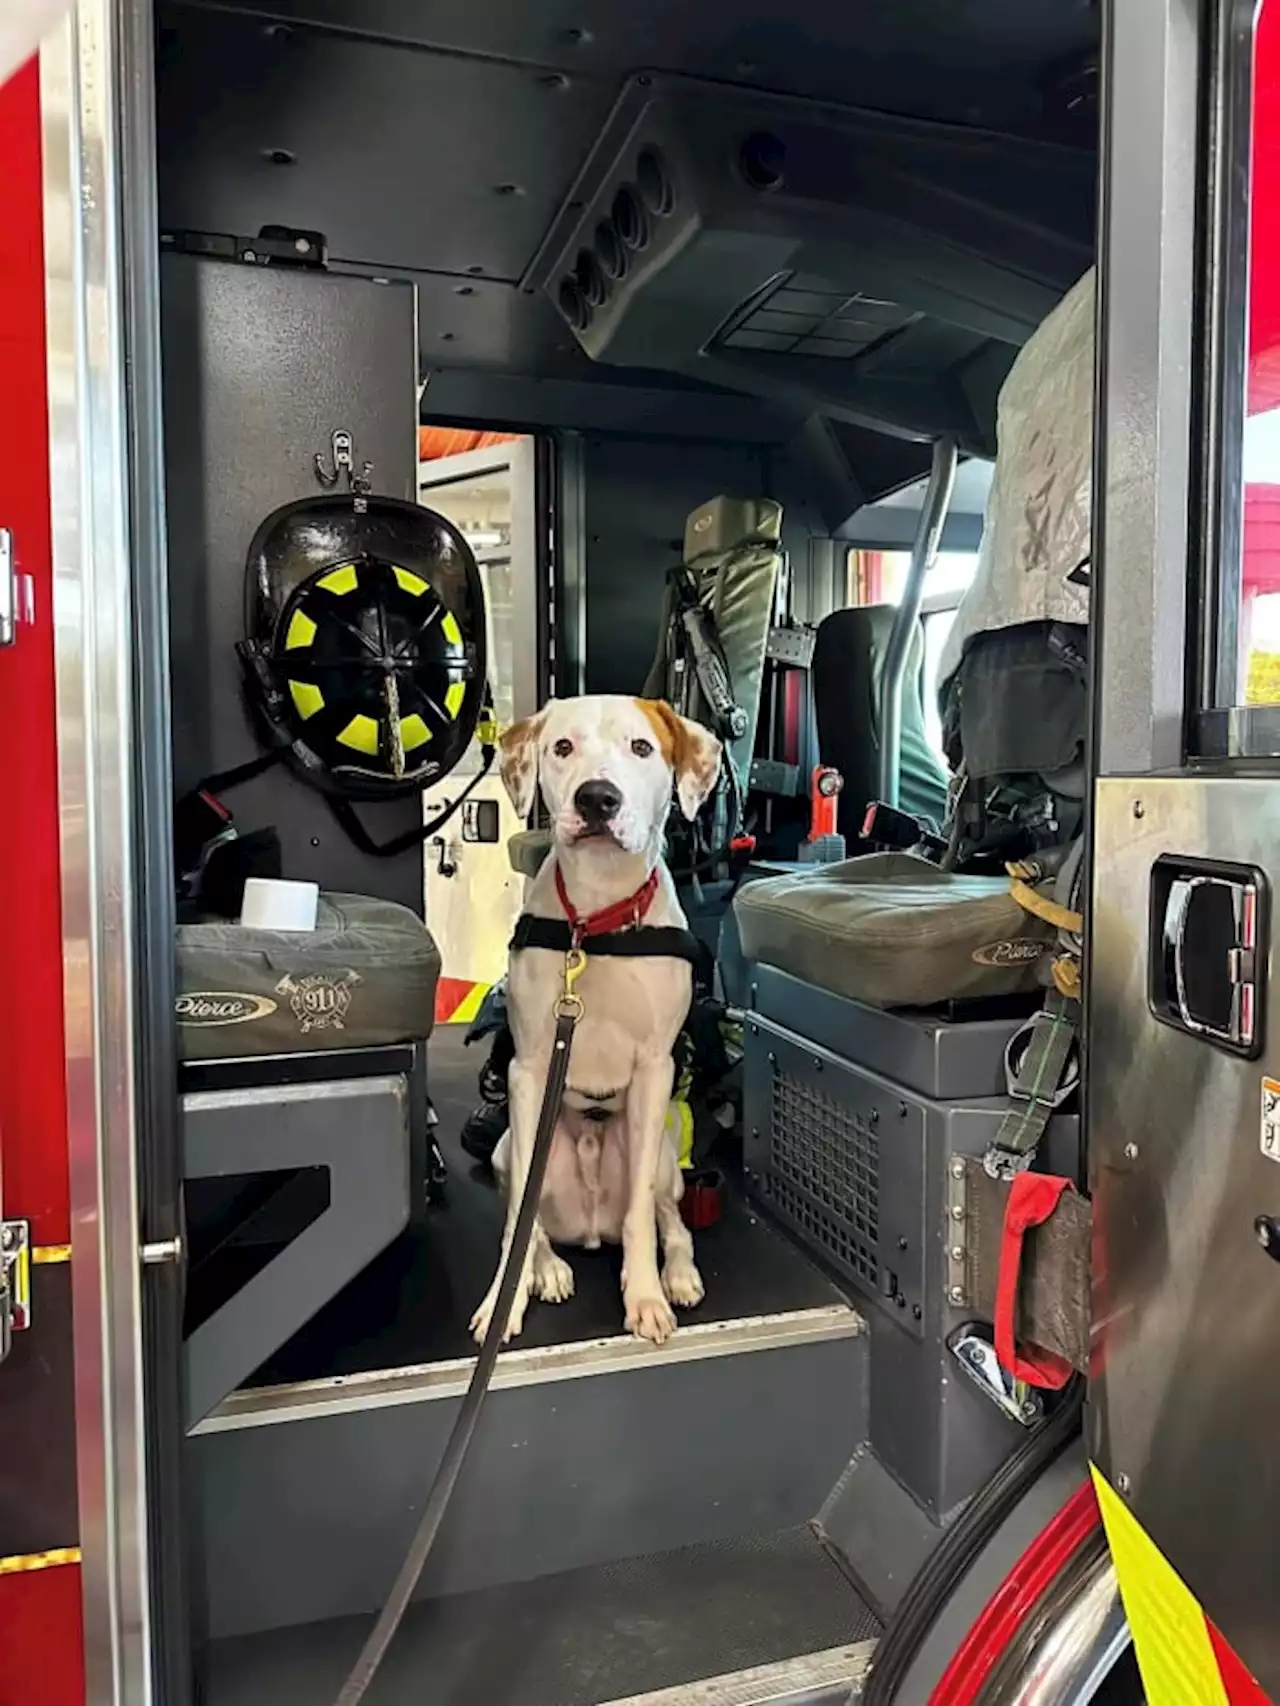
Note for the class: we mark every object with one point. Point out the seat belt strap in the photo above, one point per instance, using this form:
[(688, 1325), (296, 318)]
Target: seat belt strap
[(359, 836), (1042, 1068)]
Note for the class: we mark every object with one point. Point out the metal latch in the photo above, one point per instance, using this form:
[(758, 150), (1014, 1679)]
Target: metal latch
[(159, 1251), (8, 589), (15, 1281), (977, 1357)]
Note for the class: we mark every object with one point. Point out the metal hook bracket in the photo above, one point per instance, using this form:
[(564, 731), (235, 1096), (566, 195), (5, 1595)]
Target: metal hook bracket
[(342, 463)]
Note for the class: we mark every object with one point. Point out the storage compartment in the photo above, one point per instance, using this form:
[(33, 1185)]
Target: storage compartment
[(357, 1140), (935, 1054), (853, 1117)]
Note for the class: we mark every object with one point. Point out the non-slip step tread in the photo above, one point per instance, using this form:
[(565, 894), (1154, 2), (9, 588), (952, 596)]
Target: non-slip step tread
[(608, 1633), (413, 1304), (811, 1679)]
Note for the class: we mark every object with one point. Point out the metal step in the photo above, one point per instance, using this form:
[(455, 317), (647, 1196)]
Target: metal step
[(814, 1679), (756, 1620), (307, 1495)]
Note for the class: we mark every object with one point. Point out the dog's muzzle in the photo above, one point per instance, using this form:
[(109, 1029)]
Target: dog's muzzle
[(597, 803)]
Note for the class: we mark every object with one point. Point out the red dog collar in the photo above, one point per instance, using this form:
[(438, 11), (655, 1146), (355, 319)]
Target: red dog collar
[(623, 914)]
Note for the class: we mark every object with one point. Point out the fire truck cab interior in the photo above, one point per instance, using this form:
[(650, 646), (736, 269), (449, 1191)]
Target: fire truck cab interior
[(767, 334)]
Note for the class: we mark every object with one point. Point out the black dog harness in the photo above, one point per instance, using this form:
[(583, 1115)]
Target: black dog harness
[(599, 933), (649, 942)]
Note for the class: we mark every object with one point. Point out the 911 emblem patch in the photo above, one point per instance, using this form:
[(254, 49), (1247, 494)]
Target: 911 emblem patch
[(321, 1000)]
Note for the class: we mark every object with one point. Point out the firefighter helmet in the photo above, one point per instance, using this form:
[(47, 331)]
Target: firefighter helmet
[(365, 642)]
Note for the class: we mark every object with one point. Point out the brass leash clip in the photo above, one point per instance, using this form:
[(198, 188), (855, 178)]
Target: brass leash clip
[(569, 1003)]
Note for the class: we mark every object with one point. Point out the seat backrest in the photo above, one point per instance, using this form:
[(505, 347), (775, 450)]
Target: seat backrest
[(733, 551), (1033, 563), (527, 851), (848, 665), (1016, 724), (1013, 667)]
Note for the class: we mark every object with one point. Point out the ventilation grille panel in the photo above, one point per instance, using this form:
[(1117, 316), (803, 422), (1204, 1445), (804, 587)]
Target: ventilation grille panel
[(824, 1176), (806, 316)]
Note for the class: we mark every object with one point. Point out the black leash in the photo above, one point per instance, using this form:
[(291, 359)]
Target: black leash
[(568, 1012)]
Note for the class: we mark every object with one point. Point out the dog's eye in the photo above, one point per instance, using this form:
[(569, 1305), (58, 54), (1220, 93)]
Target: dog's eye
[(563, 748), (642, 748)]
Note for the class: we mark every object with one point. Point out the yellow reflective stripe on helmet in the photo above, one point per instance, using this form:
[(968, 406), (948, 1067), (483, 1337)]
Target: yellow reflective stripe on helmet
[(450, 629), (410, 582), (414, 732), (457, 692), (361, 733), (307, 697), (340, 581), (302, 630)]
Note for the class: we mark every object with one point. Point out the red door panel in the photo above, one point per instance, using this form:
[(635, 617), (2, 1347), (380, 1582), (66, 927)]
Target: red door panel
[(40, 1621), (33, 1118)]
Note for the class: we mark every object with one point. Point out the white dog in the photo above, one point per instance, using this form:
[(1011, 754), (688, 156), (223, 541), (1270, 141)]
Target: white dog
[(606, 767)]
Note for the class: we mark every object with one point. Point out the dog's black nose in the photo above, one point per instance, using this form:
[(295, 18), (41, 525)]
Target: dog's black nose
[(597, 802)]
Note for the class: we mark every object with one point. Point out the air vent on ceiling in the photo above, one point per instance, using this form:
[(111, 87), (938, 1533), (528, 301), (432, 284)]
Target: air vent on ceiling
[(647, 196), (811, 316)]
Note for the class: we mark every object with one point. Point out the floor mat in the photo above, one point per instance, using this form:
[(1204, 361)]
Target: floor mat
[(412, 1305), (572, 1640)]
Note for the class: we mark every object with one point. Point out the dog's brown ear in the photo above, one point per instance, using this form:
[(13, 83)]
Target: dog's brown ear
[(693, 753), (518, 761)]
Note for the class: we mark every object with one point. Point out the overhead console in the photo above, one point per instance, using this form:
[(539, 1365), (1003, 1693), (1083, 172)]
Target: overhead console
[(659, 243), (887, 267)]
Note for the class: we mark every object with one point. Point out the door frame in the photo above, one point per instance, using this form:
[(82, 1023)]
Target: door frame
[(1149, 178), (520, 456), (110, 646), (472, 910), (108, 575), (1158, 523)]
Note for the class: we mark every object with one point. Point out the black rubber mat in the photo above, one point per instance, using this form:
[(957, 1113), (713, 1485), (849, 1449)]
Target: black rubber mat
[(571, 1640), (413, 1304)]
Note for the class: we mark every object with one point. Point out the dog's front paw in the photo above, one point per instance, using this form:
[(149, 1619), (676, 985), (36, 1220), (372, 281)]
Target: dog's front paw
[(682, 1283), (515, 1320), (650, 1318), (552, 1277)]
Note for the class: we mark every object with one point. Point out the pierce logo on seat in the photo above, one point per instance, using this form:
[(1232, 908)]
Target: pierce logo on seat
[(1017, 951), (221, 1007)]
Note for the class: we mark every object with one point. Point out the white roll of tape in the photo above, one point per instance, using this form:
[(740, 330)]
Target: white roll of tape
[(273, 904)]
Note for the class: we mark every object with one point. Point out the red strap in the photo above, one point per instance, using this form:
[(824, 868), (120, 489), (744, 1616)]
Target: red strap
[(1032, 1199), (623, 914), (214, 804)]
